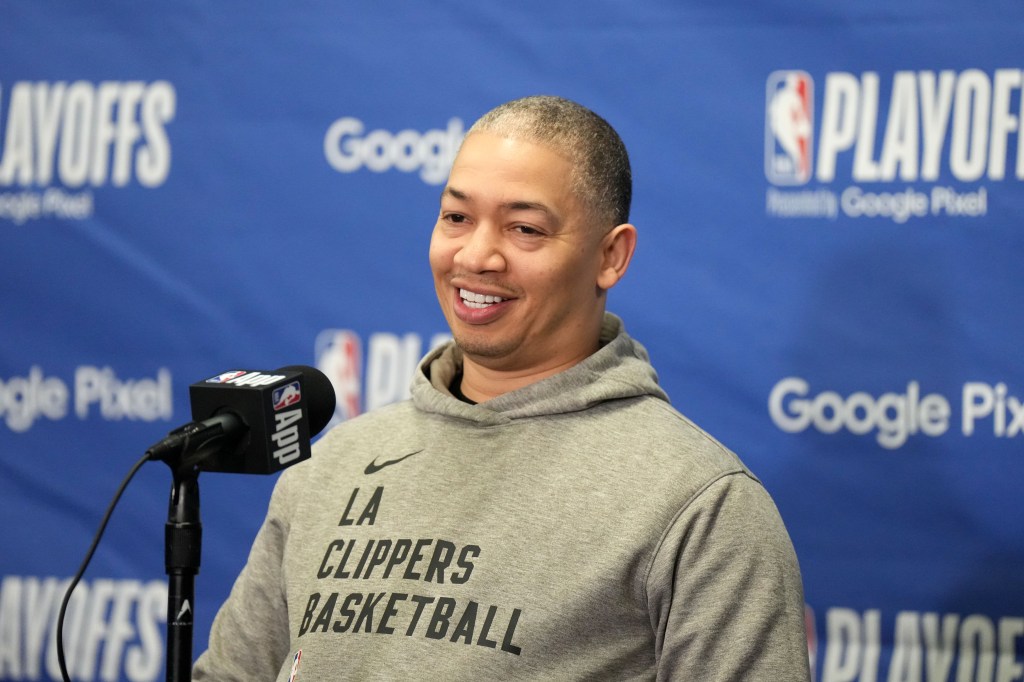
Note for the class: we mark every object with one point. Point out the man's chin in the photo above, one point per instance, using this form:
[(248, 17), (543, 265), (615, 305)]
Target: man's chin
[(488, 352), (478, 349)]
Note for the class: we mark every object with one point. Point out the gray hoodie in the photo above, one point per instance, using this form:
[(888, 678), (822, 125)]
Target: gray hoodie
[(576, 529)]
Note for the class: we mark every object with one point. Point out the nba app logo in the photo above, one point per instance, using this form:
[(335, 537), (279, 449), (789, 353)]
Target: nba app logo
[(286, 396), (789, 119)]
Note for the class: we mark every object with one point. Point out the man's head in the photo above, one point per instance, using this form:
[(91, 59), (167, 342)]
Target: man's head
[(601, 174), (527, 241)]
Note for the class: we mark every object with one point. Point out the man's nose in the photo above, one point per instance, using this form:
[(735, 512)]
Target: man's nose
[(481, 251)]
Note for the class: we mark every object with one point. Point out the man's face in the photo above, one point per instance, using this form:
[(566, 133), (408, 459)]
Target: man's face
[(515, 258)]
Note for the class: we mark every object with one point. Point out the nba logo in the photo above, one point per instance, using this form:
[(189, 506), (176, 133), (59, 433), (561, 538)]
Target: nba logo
[(286, 396), (339, 354), (789, 118), (225, 377), (294, 676)]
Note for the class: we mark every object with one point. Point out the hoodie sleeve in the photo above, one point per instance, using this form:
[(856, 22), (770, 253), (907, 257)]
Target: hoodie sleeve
[(724, 590), (250, 638)]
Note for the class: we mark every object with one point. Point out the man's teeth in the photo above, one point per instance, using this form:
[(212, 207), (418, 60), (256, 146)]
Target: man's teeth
[(475, 300)]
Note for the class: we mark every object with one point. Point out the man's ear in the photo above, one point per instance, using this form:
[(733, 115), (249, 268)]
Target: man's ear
[(616, 251)]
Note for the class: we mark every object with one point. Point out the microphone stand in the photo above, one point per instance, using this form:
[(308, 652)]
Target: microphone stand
[(183, 537), (183, 450)]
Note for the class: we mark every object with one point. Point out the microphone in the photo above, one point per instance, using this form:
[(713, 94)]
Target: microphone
[(251, 421)]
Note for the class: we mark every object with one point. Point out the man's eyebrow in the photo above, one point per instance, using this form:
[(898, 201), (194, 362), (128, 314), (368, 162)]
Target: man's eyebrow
[(527, 206), (514, 205), (454, 194)]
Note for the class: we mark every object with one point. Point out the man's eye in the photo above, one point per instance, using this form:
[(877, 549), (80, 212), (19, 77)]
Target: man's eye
[(455, 218), (526, 229)]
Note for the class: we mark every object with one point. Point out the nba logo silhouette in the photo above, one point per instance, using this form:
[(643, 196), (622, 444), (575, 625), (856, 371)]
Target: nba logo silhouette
[(789, 123), (339, 355), (286, 396)]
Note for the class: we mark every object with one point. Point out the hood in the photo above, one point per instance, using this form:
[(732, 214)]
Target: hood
[(619, 369)]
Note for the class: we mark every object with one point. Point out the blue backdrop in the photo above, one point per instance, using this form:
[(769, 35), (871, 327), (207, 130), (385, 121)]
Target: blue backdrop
[(828, 276)]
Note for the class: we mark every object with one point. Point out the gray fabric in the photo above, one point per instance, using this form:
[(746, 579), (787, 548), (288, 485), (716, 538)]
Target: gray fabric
[(579, 528)]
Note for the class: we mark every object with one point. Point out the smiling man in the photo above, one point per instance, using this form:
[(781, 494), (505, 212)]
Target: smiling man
[(537, 510)]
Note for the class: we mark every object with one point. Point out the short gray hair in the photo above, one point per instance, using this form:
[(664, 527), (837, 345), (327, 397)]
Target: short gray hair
[(601, 173)]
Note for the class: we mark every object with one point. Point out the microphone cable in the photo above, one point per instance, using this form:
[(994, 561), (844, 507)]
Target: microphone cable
[(88, 557)]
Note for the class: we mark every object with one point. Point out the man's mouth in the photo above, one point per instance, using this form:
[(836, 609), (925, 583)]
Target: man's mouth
[(478, 301)]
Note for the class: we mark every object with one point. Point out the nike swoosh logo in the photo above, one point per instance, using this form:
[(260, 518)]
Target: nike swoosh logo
[(373, 467)]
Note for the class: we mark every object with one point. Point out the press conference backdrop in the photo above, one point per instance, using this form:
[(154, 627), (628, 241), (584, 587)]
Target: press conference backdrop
[(829, 197)]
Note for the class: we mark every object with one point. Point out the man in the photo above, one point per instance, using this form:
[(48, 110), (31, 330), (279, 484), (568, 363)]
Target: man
[(537, 510)]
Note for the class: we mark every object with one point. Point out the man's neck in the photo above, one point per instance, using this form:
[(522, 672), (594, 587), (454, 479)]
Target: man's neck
[(481, 383)]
